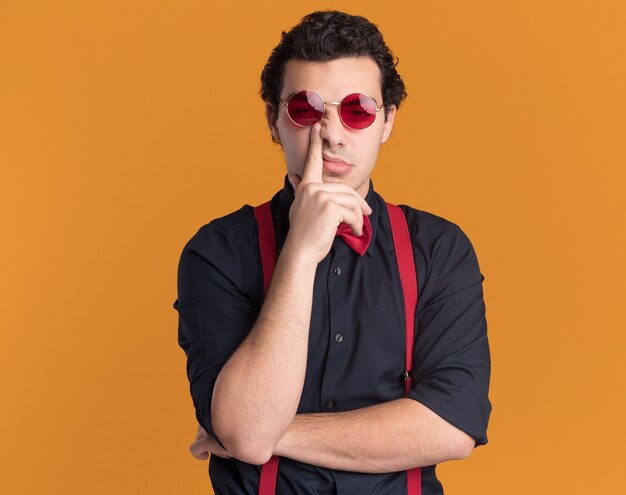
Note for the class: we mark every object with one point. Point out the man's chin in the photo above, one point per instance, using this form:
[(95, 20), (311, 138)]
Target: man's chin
[(330, 177)]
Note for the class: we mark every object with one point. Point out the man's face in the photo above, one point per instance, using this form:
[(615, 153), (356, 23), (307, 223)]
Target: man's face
[(333, 80)]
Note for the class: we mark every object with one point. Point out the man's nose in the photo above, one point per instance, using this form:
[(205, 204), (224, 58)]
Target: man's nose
[(333, 130)]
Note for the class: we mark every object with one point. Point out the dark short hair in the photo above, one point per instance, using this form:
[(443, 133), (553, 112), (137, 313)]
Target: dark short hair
[(328, 35)]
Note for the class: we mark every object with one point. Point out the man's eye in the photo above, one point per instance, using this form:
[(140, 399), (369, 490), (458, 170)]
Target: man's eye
[(302, 111)]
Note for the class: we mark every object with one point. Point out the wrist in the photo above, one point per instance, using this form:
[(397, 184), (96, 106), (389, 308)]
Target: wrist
[(297, 255), (286, 444)]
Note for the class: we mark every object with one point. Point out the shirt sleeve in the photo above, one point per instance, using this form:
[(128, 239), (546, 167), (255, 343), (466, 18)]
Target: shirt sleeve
[(215, 314), (451, 359)]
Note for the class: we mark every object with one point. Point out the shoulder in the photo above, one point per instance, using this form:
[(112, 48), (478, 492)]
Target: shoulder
[(222, 245), (445, 257), (439, 242), (431, 229), (232, 231), (223, 253)]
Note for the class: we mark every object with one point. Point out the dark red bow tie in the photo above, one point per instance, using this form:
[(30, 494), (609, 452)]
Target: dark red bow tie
[(359, 244)]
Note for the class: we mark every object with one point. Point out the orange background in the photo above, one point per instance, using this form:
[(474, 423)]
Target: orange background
[(126, 125)]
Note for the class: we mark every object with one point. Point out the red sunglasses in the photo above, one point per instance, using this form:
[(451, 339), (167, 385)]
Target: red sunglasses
[(356, 111)]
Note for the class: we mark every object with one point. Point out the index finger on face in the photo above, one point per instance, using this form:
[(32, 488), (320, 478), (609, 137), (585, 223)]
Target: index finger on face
[(314, 163)]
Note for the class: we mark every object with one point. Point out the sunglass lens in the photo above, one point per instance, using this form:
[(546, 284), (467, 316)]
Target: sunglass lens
[(358, 111), (305, 108)]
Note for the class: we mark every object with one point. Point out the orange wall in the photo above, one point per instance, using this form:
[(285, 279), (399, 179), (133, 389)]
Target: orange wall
[(122, 132)]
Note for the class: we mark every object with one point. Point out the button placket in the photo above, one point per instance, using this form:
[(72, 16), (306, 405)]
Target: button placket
[(337, 285)]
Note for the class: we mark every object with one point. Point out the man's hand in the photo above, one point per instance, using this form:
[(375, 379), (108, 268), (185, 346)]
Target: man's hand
[(205, 444), (319, 208)]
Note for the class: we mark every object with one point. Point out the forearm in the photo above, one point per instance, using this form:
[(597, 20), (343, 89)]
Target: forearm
[(257, 392), (388, 437)]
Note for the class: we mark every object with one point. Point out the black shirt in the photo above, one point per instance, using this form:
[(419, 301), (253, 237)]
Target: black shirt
[(356, 338)]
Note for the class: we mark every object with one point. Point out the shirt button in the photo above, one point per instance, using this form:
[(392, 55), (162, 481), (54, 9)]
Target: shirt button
[(337, 271), (338, 338), (330, 405)]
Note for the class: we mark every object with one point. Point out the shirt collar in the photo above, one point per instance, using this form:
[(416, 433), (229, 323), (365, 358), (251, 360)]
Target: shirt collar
[(285, 197)]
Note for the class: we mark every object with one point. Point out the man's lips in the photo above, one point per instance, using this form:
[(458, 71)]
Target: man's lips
[(335, 165), (328, 158)]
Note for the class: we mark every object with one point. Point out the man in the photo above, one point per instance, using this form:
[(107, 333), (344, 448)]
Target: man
[(313, 371)]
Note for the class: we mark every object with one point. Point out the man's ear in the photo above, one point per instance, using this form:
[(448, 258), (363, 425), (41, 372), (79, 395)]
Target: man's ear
[(271, 115), (391, 114)]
